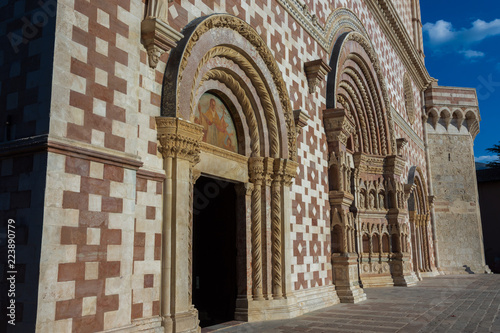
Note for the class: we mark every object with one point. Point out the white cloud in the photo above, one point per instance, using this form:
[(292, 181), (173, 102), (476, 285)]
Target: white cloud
[(442, 36), (471, 54), (486, 159), (439, 32)]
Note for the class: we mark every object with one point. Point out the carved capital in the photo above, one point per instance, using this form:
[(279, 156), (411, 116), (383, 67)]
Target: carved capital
[(315, 72), (268, 170), (158, 37), (301, 117), (179, 138), (338, 125), (395, 165), (290, 172), (256, 169)]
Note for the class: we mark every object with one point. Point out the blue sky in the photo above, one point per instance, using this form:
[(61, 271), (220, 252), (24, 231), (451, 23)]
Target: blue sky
[(462, 48)]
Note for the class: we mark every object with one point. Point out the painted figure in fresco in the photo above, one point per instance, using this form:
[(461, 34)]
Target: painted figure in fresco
[(216, 129)]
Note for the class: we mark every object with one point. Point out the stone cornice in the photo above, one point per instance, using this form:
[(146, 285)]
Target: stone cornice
[(389, 21), (394, 29), (63, 146)]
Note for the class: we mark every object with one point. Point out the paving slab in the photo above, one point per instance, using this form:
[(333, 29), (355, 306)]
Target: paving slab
[(460, 303)]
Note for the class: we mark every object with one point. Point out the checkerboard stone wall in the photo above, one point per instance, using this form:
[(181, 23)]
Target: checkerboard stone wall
[(86, 259), (147, 248), (101, 221)]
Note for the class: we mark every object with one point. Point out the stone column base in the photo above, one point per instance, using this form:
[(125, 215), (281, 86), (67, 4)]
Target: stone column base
[(350, 294), (346, 278), (402, 274), (184, 322), (296, 304), (432, 273), (405, 281)]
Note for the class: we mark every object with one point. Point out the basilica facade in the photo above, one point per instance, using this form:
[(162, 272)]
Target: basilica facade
[(171, 165)]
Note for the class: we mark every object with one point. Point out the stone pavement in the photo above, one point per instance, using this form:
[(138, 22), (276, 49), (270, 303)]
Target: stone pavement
[(464, 303)]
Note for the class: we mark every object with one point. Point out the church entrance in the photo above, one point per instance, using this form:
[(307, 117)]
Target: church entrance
[(214, 250)]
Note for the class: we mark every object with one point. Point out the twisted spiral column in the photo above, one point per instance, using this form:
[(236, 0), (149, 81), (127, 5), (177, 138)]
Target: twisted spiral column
[(256, 169), (278, 177)]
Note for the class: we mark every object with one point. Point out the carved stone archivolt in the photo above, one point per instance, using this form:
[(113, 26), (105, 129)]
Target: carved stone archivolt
[(358, 80), (266, 80)]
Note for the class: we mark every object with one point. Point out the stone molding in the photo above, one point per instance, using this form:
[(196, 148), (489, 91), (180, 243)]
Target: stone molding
[(179, 139), (316, 71), (469, 115), (71, 148), (390, 22), (158, 37), (152, 175), (211, 149), (386, 15)]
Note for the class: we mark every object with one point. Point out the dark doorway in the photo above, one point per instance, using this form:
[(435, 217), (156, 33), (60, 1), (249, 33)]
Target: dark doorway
[(214, 250)]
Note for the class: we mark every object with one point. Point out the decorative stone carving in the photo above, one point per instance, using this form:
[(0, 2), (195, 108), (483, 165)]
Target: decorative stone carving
[(179, 138), (301, 117), (276, 232), (290, 172), (362, 203), (339, 125), (400, 144), (223, 21), (315, 72), (256, 173), (371, 197), (158, 37), (381, 201)]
